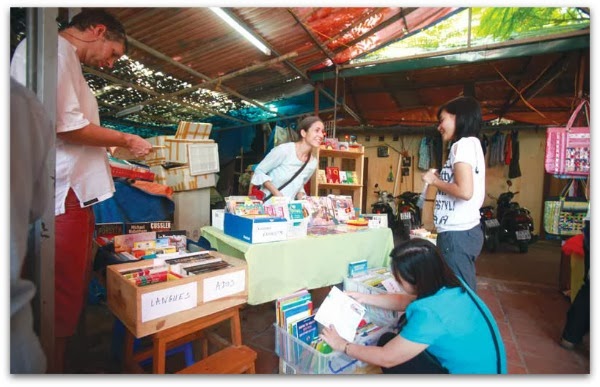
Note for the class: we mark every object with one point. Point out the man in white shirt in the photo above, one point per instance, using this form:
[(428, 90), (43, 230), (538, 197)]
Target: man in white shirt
[(94, 38)]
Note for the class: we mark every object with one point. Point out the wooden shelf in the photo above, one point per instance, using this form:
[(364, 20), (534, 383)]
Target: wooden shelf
[(341, 154), (334, 158), (339, 186)]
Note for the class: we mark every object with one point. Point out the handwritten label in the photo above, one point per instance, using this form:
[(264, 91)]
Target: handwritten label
[(224, 285), (168, 301)]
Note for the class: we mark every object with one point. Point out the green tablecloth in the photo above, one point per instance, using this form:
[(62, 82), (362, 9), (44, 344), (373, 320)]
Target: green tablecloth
[(279, 268)]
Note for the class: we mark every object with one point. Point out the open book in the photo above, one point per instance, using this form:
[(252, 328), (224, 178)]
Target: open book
[(342, 311)]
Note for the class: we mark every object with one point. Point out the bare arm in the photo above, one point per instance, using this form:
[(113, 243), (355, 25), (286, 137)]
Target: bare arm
[(271, 187), (94, 135), (461, 188), (396, 351), (389, 301)]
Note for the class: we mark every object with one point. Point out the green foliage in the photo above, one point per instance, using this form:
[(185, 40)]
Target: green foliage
[(506, 23)]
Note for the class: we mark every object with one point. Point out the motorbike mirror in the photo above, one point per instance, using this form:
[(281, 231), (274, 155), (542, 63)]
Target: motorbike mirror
[(509, 183), (376, 185)]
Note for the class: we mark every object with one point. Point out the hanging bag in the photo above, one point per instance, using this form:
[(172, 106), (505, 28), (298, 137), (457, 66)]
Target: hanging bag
[(563, 216), (568, 148)]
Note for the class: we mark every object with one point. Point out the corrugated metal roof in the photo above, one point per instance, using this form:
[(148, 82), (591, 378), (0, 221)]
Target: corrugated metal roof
[(187, 64)]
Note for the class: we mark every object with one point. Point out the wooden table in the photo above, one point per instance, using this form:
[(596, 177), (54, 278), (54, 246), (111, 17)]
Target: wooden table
[(178, 335)]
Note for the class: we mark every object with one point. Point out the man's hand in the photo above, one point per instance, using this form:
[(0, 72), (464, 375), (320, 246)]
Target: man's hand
[(137, 145)]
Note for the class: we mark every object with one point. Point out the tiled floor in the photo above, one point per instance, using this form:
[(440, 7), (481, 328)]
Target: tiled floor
[(530, 314)]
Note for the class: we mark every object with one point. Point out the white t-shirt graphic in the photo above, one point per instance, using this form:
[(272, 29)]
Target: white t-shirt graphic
[(454, 214)]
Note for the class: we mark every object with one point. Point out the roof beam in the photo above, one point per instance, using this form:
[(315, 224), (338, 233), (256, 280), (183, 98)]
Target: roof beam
[(548, 75)]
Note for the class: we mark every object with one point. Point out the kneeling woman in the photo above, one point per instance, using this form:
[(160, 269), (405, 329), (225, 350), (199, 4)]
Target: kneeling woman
[(448, 328)]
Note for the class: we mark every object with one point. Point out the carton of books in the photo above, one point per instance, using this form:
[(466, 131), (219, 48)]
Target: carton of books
[(255, 228), (148, 299)]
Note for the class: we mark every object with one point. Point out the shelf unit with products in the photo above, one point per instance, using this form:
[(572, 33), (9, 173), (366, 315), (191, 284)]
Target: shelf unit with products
[(344, 160)]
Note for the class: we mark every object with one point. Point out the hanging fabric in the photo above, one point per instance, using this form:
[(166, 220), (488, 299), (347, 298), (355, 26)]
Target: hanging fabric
[(424, 154), (514, 170)]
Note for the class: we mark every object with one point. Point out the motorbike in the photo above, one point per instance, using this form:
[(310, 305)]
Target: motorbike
[(408, 213), (516, 223), (491, 228)]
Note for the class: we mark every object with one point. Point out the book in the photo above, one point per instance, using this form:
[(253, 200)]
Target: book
[(332, 174), (319, 212), (125, 242), (351, 177), (341, 311), (137, 227), (343, 178), (176, 238), (357, 267), (108, 230), (306, 329), (294, 306), (287, 299), (342, 207), (321, 177)]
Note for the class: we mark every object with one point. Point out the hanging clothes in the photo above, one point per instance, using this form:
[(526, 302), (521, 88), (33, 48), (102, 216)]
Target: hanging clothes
[(425, 154), (484, 143), (514, 170), (496, 149), (507, 149)]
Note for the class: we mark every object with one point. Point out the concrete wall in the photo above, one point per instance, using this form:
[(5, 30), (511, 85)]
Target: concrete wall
[(530, 184)]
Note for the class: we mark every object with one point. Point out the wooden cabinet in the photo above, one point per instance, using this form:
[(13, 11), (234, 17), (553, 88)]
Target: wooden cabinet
[(345, 161)]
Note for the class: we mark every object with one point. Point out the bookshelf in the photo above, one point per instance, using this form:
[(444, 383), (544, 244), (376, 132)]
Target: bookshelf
[(345, 161)]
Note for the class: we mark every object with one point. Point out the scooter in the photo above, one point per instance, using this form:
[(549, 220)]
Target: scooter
[(409, 214), (491, 228), (516, 223)]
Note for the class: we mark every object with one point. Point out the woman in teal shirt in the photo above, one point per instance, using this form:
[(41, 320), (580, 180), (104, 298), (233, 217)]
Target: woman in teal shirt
[(448, 327)]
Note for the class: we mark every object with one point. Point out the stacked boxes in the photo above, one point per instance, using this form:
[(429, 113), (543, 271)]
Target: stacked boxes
[(175, 149)]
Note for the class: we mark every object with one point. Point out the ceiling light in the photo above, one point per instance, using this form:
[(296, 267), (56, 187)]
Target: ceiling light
[(239, 28), (128, 111)]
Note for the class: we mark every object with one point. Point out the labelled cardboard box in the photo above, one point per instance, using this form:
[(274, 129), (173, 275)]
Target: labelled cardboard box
[(255, 229), (145, 310)]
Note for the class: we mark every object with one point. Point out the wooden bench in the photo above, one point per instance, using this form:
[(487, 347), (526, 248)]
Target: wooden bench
[(231, 360)]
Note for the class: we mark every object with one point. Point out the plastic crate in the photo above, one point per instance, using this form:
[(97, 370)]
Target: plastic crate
[(296, 357), (380, 316), (300, 358)]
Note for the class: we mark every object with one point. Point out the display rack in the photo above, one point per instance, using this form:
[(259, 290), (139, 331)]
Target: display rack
[(335, 158)]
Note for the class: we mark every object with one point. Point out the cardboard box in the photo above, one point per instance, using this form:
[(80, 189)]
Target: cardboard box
[(152, 308), (180, 179), (192, 211), (193, 130), (255, 230), (218, 219), (172, 149)]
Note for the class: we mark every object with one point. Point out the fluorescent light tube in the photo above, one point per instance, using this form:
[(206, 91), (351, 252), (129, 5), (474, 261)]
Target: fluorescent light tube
[(244, 32)]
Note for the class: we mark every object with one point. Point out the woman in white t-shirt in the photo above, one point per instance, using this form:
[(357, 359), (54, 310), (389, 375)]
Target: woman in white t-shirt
[(461, 187)]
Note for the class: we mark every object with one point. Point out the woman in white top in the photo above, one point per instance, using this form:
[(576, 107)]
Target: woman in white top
[(461, 187), (283, 161)]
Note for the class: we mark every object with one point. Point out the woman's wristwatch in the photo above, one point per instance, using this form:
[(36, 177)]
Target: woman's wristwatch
[(346, 347)]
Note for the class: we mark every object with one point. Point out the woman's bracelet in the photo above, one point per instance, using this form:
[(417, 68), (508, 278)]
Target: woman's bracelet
[(346, 347)]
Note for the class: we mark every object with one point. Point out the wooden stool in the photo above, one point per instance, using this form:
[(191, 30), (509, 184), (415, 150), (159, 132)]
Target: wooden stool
[(231, 360), (180, 334)]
